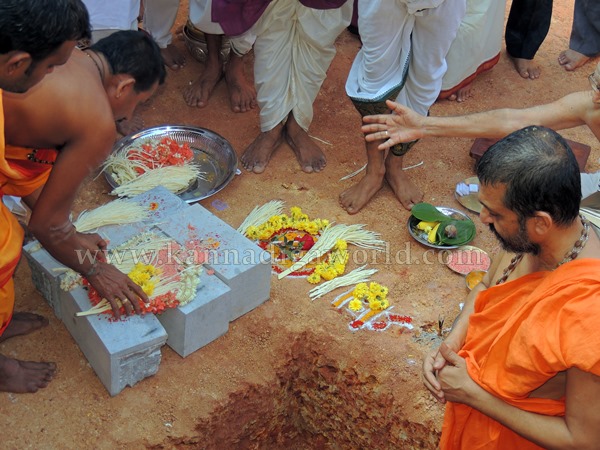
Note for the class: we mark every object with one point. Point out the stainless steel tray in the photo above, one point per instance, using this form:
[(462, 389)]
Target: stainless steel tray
[(213, 153)]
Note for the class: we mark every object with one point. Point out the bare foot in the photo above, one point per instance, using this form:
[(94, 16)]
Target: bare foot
[(462, 94), (173, 58), (23, 323), (24, 376), (571, 60), (308, 154), (527, 68), (133, 125), (355, 198), (242, 95), (257, 155), (406, 191), (198, 93)]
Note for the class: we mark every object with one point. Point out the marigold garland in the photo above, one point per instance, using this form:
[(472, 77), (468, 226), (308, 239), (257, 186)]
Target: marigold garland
[(288, 237)]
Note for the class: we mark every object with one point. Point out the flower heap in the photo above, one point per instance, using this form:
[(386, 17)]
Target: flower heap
[(334, 266), (368, 304), (372, 295), (288, 238), (166, 153), (279, 223)]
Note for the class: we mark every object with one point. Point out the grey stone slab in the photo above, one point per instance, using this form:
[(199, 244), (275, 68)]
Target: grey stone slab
[(237, 261), (201, 321), (46, 273), (123, 352), (161, 204)]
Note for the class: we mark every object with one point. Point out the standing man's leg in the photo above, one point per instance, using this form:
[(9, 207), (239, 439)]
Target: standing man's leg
[(159, 17), (314, 49), (526, 28), (242, 95), (585, 35), (432, 36), (378, 73)]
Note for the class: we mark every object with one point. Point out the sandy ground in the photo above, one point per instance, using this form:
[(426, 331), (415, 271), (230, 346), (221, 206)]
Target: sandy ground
[(290, 373)]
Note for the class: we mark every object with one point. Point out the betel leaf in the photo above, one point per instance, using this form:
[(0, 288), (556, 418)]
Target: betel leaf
[(428, 213), (465, 232)]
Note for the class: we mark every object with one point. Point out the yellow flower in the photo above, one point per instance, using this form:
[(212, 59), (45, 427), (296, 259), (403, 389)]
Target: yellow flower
[(252, 232), (329, 273), (266, 233), (360, 291), (142, 274), (311, 227), (314, 278), (378, 304), (339, 268), (341, 245), (295, 211), (355, 305)]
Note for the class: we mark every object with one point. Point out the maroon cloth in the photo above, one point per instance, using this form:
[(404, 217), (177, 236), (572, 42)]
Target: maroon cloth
[(237, 16)]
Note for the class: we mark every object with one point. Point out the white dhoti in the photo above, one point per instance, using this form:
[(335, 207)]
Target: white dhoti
[(477, 43), (201, 17), (159, 17), (404, 45), (293, 48), (108, 16)]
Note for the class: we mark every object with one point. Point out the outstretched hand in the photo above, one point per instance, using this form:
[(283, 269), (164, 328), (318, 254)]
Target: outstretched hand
[(454, 379), (115, 286), (402, 125)]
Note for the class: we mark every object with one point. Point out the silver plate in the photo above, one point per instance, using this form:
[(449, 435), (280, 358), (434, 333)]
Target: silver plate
[(213, 154), (421, 237)]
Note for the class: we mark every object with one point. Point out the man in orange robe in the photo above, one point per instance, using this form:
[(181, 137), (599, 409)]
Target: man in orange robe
[(35, 37), (521, 368), (19, 178)]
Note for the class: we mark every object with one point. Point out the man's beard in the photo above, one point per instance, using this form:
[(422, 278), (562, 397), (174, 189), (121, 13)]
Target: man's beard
[(519, 243)]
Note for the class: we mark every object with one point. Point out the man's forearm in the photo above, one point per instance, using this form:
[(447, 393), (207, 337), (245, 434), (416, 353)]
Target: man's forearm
[(62, 243), (489, 124), (550, 432)]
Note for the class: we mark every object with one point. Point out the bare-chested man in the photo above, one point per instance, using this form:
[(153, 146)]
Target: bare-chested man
[(35, 37), (57, 135), (220, 61), (293, 47)]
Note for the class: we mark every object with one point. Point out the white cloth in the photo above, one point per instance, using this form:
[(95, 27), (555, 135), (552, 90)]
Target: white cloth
[(113, 14), (108, 16), (590, 183), (403, 47), (293, 48), (159, 17), (201, 17), (479, 39)]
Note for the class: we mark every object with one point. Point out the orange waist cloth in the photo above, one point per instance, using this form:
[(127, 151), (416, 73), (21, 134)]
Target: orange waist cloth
[(18, 176), (520, 335)]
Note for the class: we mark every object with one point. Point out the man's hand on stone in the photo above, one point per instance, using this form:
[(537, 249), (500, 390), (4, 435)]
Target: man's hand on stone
[(117, 288)]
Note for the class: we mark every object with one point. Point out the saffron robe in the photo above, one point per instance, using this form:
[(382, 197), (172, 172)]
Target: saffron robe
[(520, 335), (18, 177)]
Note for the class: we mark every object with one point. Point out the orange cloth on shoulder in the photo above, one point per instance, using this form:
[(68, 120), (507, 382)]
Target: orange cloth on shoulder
[(520, 335), (18, 177)]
